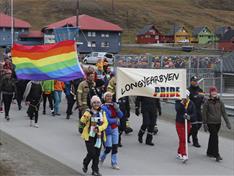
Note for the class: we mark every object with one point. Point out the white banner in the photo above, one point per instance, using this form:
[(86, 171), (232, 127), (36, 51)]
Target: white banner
[(158, 83)]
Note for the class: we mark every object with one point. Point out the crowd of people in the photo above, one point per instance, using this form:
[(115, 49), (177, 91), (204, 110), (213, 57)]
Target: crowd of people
[(144, 61), (103, 118)]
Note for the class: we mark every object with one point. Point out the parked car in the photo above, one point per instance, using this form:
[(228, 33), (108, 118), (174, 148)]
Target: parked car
[(93, 57)]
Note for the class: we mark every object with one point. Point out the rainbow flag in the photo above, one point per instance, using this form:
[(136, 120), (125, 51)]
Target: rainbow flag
[(47, 62)]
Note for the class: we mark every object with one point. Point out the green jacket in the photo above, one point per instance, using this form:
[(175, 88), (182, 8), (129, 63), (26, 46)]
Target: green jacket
[(212, 112), (48, 85)]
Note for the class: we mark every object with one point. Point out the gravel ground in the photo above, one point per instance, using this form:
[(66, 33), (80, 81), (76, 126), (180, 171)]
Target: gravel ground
[(18, 159)]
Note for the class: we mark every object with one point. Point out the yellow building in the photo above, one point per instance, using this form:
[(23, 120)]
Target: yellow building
[(179, 34)]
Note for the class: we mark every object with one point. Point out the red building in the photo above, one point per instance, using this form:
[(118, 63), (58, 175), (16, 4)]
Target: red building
[(226, 43), (149, 34)]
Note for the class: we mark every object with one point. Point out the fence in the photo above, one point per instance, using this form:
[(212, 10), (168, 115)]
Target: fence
[(207, 67)]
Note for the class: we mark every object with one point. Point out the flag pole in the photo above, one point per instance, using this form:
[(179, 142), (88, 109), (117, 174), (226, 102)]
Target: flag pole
[(12, 23)]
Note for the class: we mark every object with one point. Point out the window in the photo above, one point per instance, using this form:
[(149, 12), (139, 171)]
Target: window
[(89, 34), (3, 38), (3, 29), (89, 44), (105, 35), (93, 34), (93, 44), (22, 30), (105, 44)]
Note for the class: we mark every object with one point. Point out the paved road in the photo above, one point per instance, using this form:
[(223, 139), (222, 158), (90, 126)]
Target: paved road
[(58, 138)]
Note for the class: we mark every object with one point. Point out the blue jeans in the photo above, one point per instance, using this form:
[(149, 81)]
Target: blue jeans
[(57, 100), (111, 144)]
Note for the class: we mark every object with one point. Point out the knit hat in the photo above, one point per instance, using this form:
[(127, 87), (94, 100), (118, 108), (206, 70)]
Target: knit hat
[(213, 89), (95, 98), (194, 78), (106, 93), (99, 83)]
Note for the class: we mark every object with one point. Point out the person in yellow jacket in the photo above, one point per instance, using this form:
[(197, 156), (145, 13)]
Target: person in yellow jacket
[(94, 122)]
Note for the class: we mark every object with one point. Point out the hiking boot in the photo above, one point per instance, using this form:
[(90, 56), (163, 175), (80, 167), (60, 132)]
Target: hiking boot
[(149, 143), (128, 130), (140, 136), (197, 145), (218, 158), (94, 173), (85, 168), (7, 118)]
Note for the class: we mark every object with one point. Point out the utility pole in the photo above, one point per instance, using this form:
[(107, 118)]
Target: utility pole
[(128, 28), (12, 23), (112, 5), (77, 12)]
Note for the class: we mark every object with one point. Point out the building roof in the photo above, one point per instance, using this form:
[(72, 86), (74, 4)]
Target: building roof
[(174, 29), (222, 30), (228, 35), (86, 22), (5, 21), (32, 34), (145, 29)]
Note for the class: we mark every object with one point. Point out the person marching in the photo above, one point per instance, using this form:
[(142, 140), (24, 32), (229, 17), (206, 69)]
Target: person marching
[(82, 93), (7, 90), (213, 109), (113, 114), (94, 122), (58, 89), (185, 109), (149, 107), (125, 108), (33, 96), (48, 91), (197, 97)]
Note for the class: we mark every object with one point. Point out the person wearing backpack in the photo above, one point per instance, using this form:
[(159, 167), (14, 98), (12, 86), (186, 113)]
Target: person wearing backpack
[(7, 90)]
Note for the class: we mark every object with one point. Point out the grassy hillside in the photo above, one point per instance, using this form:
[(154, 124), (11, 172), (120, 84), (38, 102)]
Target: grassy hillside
[(131, 14)]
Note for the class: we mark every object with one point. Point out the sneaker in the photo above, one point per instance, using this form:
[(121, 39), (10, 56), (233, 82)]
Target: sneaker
[(185, 158), (140, 139), (36, 125), (57, 114), (31, 123), (68, 117), (179, 156), (116, 167), (210, 155), (96, 173), (19, 107)]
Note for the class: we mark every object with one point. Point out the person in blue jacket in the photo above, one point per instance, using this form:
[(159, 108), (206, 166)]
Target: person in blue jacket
[(113, 114)]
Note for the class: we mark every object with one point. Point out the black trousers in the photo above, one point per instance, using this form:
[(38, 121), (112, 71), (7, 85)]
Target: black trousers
[(213, 145), (70, 104), (194, 132), (93, 154), (7, 99), (50, 99), (149, 121), (20, 86), (33, 110)]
